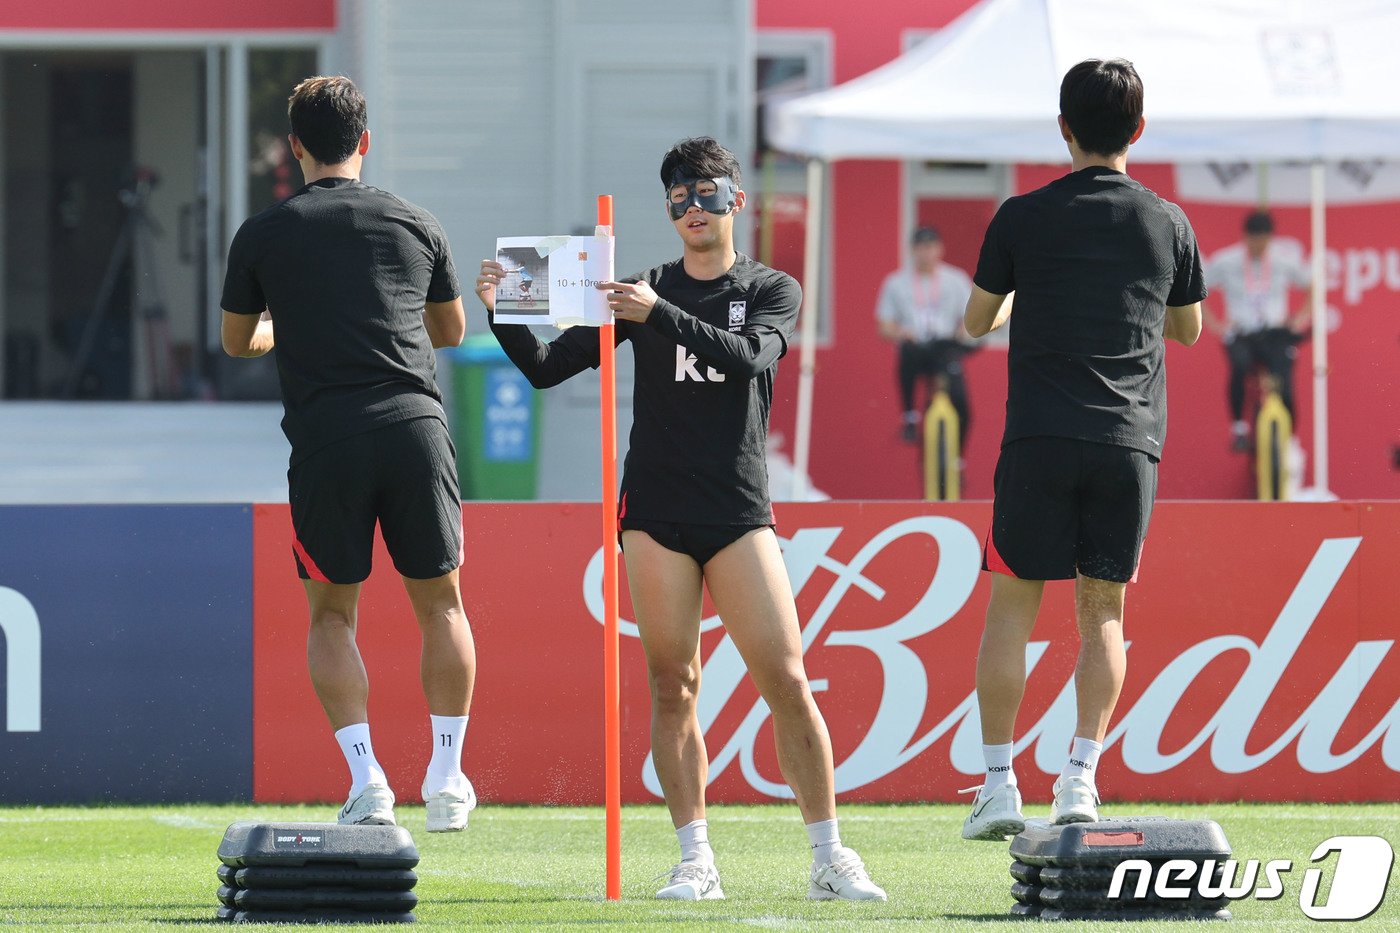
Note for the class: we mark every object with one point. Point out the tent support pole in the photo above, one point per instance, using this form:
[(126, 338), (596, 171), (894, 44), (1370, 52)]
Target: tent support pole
[(811, 301), (1319, 325)]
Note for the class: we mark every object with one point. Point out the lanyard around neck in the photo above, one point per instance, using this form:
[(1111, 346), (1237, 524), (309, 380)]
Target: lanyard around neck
[(1261, 285), (929, 299)]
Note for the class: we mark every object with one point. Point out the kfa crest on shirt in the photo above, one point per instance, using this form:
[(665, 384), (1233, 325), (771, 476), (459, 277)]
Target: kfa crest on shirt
[(738, 314)]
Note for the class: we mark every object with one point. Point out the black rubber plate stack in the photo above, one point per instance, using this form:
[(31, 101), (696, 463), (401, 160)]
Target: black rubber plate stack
[(316, 873), (1065, 872)]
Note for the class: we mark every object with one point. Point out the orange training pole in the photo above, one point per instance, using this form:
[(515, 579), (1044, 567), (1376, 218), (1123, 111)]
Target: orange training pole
[(612, 716)]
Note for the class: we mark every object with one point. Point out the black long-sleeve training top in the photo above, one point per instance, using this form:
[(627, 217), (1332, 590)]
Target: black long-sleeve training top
[(705, 363)]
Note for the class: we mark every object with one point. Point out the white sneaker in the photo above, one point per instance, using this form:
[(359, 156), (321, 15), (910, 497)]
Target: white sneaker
[(692, 881), (995, 816), (844, 878), (448, 808), (1076, 801), (373, 806)]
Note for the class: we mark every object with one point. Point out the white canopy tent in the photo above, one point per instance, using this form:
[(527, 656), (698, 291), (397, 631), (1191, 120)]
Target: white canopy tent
[(1225, 80)]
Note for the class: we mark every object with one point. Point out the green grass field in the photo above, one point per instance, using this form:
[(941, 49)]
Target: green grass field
[(138, 868)]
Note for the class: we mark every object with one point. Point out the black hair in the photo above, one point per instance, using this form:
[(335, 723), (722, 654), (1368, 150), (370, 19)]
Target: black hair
[(700, 157), (926, 234), (328, 115), (1102, 103), (1258, 222)]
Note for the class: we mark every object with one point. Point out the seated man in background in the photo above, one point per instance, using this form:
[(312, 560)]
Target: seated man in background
[(920, 309), (1255, 276)]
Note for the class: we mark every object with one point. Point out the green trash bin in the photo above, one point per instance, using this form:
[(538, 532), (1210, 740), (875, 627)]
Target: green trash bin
[(495, 422)]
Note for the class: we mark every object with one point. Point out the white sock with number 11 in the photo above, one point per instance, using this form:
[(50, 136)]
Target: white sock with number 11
[(449, 732), (359, 755)]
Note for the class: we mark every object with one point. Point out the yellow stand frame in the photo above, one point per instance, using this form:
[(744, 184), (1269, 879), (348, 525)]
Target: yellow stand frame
[(1273, 431), (942, 478)]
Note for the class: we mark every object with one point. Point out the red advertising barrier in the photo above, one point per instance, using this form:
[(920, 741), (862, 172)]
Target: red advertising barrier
[(1261, 660)]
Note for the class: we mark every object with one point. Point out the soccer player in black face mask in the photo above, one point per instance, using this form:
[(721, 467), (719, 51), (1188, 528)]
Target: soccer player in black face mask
[(707, 331)]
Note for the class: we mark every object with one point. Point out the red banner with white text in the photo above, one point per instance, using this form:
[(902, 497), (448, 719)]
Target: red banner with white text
[(1261, 660)]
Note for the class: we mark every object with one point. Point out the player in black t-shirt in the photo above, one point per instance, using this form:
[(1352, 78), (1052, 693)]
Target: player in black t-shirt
[(706, 331), (360, 287), (1104, 271)]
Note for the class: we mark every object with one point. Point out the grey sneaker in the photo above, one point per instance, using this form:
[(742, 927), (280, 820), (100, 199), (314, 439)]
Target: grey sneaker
[(1076, 801), (373, 806), (692, 881), (844, 879), (448, 808), (994, 816)]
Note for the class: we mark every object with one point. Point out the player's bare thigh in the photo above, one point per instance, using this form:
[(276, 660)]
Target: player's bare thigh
[(750, 588), (666, 589)]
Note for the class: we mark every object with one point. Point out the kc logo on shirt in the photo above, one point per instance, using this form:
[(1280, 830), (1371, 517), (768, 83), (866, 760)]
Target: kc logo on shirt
[(686, 368), (738, 313)]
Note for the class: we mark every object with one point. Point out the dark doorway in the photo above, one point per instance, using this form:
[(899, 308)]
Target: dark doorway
[(90, 151), (68, 130)]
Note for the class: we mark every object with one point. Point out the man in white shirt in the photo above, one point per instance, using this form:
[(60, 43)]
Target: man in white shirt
[(1255, 278), (920, 310)]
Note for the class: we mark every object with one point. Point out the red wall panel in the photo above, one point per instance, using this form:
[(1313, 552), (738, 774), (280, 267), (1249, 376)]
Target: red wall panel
[(1261, 660)]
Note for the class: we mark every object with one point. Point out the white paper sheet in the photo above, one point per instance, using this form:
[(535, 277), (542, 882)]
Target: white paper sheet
[(553, 280)]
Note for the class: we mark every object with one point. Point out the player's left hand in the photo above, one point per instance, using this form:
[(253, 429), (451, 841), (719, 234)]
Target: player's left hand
[(630, 302)]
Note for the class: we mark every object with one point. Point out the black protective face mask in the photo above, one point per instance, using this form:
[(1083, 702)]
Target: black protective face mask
[(684, 191)]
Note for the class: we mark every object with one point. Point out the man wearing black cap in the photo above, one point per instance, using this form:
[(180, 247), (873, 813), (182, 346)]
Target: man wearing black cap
[(920, 310), (1255, 277)]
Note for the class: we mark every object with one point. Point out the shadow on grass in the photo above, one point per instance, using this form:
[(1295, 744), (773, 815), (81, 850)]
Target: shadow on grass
[(190, 921), (101, 910), (199, 913), (522, 899)]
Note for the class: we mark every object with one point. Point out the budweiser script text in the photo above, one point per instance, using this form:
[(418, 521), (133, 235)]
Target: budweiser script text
[(893, 737)]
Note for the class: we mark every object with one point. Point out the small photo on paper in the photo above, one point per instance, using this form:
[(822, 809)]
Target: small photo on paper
[(524, 290)]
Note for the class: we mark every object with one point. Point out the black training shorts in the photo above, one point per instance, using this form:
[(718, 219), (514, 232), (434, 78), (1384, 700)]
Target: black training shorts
[(1066, 506), (404, 476), (698, 542)]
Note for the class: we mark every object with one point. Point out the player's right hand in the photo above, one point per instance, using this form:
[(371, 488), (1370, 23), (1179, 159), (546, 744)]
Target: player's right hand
[(491, 274)]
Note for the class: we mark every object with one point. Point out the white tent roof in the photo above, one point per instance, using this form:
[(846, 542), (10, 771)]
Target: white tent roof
[(1224, 79)]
